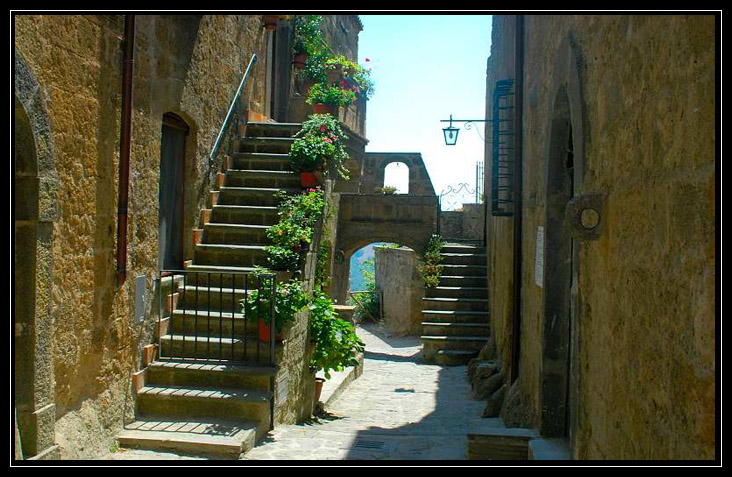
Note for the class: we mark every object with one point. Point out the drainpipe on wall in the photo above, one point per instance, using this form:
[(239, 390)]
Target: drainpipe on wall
[(124, 153), (517, 214)]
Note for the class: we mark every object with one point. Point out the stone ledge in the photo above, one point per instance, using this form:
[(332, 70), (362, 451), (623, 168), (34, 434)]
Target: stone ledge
[(339, 382)]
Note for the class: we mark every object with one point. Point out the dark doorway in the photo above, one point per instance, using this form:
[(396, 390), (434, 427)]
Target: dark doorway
[(172, 172), (560, 275)]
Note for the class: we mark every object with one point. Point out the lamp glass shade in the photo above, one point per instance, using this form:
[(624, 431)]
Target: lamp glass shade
[(451, 135)]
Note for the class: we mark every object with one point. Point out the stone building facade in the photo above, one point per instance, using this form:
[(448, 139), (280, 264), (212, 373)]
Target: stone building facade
[(611, 344), (77, 342)]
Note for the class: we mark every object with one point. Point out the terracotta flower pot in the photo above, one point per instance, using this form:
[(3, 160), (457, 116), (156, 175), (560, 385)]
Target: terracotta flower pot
[(322, 108), (308, 179), (299, 61), (264, 332), (270, 22), (318, 388)]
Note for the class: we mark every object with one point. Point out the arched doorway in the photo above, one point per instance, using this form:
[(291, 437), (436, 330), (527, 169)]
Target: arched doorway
[(560, 266), (35, 208), (172, 186)]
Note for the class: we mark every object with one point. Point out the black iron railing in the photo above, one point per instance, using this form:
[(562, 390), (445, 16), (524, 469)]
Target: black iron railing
[(207, 316)]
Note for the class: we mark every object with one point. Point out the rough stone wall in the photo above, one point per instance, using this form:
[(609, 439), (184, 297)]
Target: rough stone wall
[(402, 287), (364, 219), (644, 375), (374, 164), (189, 65)]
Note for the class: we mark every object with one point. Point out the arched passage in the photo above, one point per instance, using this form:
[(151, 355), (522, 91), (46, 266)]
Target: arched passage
[(396, 174)]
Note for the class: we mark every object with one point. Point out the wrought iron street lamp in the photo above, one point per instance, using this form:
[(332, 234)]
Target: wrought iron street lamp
[(451, 132)]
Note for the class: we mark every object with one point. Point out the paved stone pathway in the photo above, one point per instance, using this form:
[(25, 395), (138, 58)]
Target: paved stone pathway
[(399, 409)]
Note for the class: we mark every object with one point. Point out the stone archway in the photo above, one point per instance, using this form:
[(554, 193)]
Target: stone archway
[(35, 209), (563, 182)]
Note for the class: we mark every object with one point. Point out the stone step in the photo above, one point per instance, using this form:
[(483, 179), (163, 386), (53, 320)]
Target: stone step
[(225, 276), (244, 214), (455, 316), (434, 328), (457, 292), (464, 270), (458, 281), (463, 259), (454, 357), (489, 439), (263, 129), (194, 402), (261, 178), (260, 161), (460, 248), (279, 145), (229, 254), (259, 196), (471, 304), (199, 437), (208, 323), (235, 234), (215, 298), (249, 351), (432, 344), (180, 373)]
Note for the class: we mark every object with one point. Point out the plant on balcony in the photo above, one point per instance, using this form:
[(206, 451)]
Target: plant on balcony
[(335, 339), (429, 266), (349, 75), (289, 299), (388, 190), (331, 96), (320, 145)]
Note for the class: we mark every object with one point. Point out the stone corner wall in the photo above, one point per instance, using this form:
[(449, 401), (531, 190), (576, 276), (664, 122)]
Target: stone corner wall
[(402, 288)]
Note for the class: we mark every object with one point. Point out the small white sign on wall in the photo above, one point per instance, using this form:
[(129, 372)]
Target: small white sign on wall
[(539, 268)]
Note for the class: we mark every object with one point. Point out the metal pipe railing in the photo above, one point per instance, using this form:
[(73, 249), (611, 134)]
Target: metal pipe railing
[(191, 299), (230, 113)]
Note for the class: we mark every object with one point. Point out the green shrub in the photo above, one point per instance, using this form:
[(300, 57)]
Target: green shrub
[(336, 342)]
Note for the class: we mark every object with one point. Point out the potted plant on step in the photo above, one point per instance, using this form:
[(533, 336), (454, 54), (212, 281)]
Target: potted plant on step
[(290, 298), (318, 147), (336, 344), (329, 99)]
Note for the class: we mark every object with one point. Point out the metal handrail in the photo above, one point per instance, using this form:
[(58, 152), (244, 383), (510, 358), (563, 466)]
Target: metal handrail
[(230, 113)]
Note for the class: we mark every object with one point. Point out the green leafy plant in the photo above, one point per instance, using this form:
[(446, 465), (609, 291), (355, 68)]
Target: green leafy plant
[(367, 303), (320, 144), (388, 190), (336, 342), (290, 298), (298, 215), (307, 37), (429, 266), (282, 258), (331, 95), (321, 265)]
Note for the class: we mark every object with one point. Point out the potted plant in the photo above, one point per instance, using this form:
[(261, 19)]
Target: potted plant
[(320, 146), (307, 38), (289, 299), (388, 190), (335, 339), (328, 99)]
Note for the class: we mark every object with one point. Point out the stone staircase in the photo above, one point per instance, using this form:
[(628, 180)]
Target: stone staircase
[(455, 320), (211, 388)]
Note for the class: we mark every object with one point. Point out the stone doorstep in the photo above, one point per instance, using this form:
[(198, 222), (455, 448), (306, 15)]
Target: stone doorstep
[(214, 438), (490, 439)]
